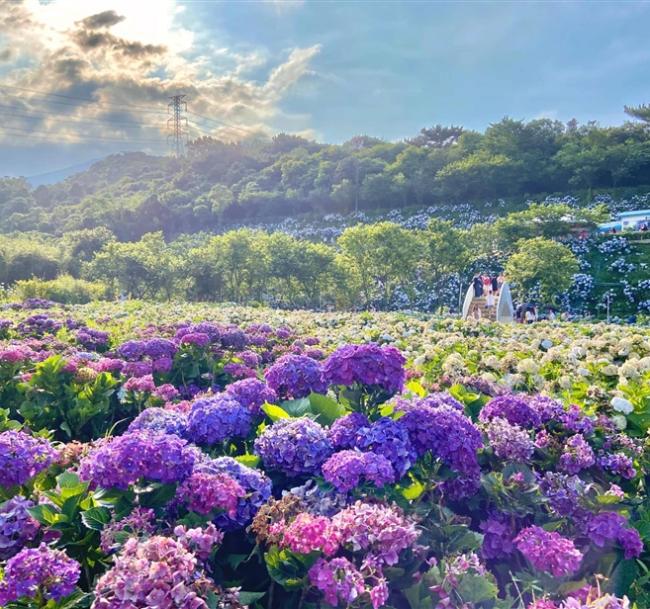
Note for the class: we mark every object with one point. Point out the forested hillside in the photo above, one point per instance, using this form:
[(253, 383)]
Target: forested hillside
[(222, 184)]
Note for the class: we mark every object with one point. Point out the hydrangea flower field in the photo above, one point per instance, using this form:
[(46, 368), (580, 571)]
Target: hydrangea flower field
[(203, 457)]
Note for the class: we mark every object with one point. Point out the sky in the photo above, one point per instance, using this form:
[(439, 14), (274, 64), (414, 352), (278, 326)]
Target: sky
[(81, 79)]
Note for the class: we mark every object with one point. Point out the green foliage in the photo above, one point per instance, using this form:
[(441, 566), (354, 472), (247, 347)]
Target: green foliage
[(55, 399), (541, 264), (64, 289)]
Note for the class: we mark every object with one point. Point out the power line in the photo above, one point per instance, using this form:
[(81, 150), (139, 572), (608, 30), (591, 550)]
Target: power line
[(72, 119), (84, 99), (50, 136), (221, 123)]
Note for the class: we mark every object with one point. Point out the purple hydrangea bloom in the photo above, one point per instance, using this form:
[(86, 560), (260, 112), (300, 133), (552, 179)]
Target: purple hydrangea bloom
[(295, 376), (251, 393), (338, 579), (577, 455), (22, 457), (198, 339), (138, 455), (156, 348), (509, 442), (204, 492), (343, 432), (294, 446), (131, 350), (369, 365), (42, 572), (548, 551), (215, 419), (254, 482), (498, 536), (447, 433), (346, 469), (17, 527), (618, 464), (547, 408), (515, 409), (161, 420), (564, 493), (231, 337), (91, 339), (608, 527), (390, 439), (576, 421)]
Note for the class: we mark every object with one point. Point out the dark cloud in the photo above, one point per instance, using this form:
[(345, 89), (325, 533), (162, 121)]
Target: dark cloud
[(6, 55), (90, 39), (101, 20)]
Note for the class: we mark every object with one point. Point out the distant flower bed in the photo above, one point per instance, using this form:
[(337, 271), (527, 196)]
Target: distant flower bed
[(205, 457)]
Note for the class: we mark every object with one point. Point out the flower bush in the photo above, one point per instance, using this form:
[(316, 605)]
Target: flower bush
[(406, 462)]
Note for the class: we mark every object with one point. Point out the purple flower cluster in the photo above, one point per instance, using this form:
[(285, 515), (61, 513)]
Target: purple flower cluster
[(255, 483), (343, 432), (295, 376), (22, 457), (138, 455), (509, 442), (294, 446), (216, 419), (390, 439), (548, 551), (252, 394), (346, 469), (381, 531), (41, 572), (498, 536), (139, 523), (160, 420), (515, 409), (17, 527), (607, 527), (339, 580), (618, 464), (92, 340), (450, 436), (577, 455), (204, 493), (369, 365), (157, 572)]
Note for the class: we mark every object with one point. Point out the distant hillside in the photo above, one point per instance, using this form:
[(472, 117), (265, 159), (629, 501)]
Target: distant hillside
[(52, 177), (257, 181)]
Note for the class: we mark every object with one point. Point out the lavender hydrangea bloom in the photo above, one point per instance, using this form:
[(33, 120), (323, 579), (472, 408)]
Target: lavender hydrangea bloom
[(156, 348), (91, 339), (294, 446), (17, 527), (161, 420), (157, 572), (516, 410), (295, 376), (509, 442), (198, 339), (369, 365), (564, 493), (618, 464), (498, 536), (577, 455), (39, 572), (138, 455), (447, 433), (254, 482), (215, 419), (343, 432), (131, 350), (22, 457), (346, 469), (251, 393), (390, 439), (549, 551), (607, 527)]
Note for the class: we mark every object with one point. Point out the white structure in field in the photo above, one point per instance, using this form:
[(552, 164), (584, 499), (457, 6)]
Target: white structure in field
[(504, 311), (627, 220)]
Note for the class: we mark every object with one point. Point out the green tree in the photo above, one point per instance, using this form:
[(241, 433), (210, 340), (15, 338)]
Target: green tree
[(541, 264), (382, 257)]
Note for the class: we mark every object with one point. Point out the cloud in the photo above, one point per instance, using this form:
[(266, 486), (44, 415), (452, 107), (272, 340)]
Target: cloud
[(101, 20), (105, 69)]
